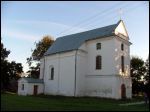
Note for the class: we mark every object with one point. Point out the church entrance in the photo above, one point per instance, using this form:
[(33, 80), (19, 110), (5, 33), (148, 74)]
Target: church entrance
[(35, 89), (123, 91)]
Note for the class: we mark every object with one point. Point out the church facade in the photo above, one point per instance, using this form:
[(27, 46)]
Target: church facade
[(90, 63)]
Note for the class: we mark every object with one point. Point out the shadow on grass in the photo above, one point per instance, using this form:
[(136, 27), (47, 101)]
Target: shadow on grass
[(134, 99)]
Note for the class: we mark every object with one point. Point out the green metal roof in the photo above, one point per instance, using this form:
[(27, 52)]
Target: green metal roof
[(74, 41)]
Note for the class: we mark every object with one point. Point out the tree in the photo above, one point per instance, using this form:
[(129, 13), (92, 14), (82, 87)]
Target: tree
[(41, 47), (4, 74), (138, 71), (146, 77), (4, 52), (9, 70), (14, 70), (34, 71), (4, 66)]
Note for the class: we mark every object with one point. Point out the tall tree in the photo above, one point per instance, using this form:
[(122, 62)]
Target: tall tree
[(9, 70), (14, 70), (4, 52), (146, 77), (41, 47), (4, 67), (137, 72)]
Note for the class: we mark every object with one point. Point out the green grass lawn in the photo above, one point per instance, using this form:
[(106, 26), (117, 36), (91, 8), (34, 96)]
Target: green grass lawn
[(13, 102)]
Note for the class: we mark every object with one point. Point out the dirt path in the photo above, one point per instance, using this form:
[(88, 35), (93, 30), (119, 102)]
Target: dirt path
[(135, 103)]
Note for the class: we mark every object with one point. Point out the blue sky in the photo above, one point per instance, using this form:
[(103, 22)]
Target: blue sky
[(24, 22)]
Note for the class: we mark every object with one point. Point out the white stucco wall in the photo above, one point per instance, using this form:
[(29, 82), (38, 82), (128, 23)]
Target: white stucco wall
[(20, 91), (81, 71), (41, 68), (67, 74), (92, 82), (51, 86), (118, 54), (124, 78), (107, 53), (104, 82), (31, 88), (28, 87), (128, 85), (102, 86), (86, 80), (64, 74), (121, 30)]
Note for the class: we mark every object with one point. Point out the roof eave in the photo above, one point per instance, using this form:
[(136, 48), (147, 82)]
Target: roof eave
[(60, 52)]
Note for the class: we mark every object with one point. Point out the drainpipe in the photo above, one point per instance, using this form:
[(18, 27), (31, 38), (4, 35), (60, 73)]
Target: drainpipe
[(43, 76), (75, 72), (58, 71), (43, 68)]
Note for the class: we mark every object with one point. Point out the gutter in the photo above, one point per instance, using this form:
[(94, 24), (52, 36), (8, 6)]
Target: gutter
[(75, 72)]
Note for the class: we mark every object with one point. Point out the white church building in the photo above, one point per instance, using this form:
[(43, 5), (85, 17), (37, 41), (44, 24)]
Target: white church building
[(90, 63)]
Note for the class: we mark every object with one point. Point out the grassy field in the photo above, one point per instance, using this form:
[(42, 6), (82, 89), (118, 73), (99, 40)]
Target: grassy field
[(13, 102)]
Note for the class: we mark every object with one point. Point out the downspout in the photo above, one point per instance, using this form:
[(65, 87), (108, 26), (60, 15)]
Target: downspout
[(43, 76), (43, 68), (75, 73), (58, 71)]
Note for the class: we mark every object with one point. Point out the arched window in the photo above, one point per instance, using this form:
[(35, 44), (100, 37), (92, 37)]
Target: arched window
[(22, 87), (52, 73), (122, 47), (98, 46), (122, 63), (98, 62), (51, 70)]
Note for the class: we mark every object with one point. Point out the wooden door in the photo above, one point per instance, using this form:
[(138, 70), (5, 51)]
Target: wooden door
[(123, 91), (35, 90)]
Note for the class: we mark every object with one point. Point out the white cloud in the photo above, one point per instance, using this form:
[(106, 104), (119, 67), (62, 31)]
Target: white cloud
[(61, 29), (40, 23), (39, 29), (23, 30), (19, 35), (48, 24)]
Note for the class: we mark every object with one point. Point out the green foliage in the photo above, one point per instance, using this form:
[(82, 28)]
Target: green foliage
[(137, 68), (4, 74), (138, 71), (14, 70), (4, 67), (146, 76), (34, 71), (9, 70), (4, 52), (41, 47)]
